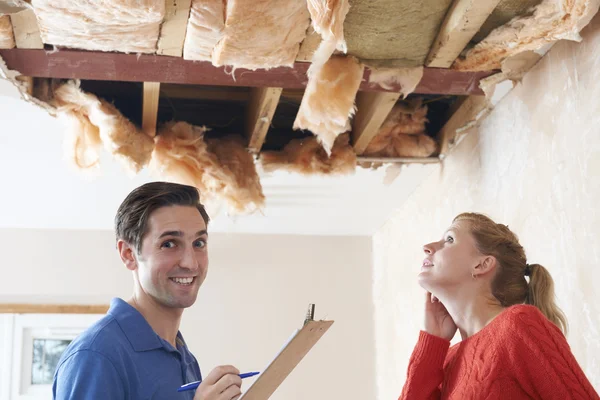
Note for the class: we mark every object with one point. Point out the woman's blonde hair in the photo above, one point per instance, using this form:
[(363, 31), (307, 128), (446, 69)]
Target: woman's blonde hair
[(510, 285)]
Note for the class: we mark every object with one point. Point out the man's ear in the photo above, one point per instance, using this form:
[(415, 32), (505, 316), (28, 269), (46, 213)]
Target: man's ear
[(127, 253), (486, 264)]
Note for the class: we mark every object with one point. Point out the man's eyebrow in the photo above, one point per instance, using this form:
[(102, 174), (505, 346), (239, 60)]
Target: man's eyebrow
[(171, 233), (180, 233)]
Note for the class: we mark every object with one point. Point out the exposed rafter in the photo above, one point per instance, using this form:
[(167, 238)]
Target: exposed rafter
[(462, 22), (151, 68), (263, 102), (372, 110), (172, 32), (150, 107), (26, 30)]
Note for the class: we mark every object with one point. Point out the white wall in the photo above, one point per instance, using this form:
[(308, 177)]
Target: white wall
[(534, 164), (255, 296)]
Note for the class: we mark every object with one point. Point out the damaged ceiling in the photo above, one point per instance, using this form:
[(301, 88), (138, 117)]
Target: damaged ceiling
[(219, 93)]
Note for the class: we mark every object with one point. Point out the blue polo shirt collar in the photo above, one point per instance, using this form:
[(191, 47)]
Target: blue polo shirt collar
[(137, 330)]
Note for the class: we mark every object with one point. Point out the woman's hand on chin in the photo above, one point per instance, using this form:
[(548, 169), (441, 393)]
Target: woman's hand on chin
[(438, 321)]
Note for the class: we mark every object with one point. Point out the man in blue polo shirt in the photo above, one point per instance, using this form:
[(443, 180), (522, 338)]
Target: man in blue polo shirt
[(136, 351)]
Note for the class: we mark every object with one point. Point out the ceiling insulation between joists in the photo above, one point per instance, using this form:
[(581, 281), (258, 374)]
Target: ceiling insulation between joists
[(393, 33), (117, 25)]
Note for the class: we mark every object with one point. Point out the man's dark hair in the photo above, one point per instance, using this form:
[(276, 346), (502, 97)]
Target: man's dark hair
[(132, 216)]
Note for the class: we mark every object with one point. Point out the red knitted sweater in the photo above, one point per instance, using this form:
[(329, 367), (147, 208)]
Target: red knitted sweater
[(520, 354)]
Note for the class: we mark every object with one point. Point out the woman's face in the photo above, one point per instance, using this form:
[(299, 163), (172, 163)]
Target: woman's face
[(449, 262)]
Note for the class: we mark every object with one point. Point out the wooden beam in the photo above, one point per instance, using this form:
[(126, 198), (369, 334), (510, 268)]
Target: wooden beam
[(173, 28), (462, 22), (72, 64), (52, 309), (468, 113), (263, 102), (309, 45), (150, 107), (202, 93), (26, 30), (372, 108)]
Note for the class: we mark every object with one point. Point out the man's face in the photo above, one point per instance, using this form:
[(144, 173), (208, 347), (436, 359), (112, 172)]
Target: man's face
[(173, 259)]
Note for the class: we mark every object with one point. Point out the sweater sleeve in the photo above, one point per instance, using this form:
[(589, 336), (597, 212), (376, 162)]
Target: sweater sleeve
[(542, 360), (426, 368)]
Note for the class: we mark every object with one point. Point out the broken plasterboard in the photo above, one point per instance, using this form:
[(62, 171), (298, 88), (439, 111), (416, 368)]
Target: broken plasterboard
[(22, 87), (299, 344)]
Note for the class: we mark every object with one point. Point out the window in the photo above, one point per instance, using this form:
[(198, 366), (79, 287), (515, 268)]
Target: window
[(30, 348)]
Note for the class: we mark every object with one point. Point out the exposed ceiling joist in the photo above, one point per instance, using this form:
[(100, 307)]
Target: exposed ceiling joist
[(70, 64), (203, 93), (263, 102), (150, 107), (372, 110), (173, 29), (462, 22), (26, 30)]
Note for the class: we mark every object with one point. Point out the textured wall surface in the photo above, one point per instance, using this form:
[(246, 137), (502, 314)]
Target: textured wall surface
[(534, 165)]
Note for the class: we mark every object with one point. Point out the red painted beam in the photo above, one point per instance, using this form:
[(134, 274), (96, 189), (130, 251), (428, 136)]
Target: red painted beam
[(73, 64)]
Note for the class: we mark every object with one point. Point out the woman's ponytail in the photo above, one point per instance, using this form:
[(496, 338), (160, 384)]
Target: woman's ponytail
[(541, 294)]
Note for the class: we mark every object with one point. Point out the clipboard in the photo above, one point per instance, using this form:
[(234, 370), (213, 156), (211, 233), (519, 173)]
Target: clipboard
[(297, 346)]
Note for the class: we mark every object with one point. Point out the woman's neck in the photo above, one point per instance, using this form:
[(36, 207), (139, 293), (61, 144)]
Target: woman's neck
[(472, 313)]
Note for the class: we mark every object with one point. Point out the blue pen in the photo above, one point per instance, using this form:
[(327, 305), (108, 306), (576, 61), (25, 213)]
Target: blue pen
[(194, 385)]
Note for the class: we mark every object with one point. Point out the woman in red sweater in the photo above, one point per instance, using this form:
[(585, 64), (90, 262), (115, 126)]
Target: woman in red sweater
[(513, 346)]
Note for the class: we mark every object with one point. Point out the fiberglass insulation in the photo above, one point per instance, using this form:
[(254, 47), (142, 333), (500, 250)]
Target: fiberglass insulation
[(261, 33), (129, 26), (222, 169)]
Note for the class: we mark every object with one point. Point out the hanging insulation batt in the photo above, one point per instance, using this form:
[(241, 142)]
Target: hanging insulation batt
[(205, 29), (327, 17), (96, 121), (262, 33), (7, 38), (307, 156), (552, 20), (130, 26), (245, 191), (222, 169), (403, 134), (328, 102)]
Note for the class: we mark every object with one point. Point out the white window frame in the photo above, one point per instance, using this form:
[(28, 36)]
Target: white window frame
[(16, 348)]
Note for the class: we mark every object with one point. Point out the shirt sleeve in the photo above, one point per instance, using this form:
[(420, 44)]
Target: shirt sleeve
[(426, 368), (87, 375), (543, 362)]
